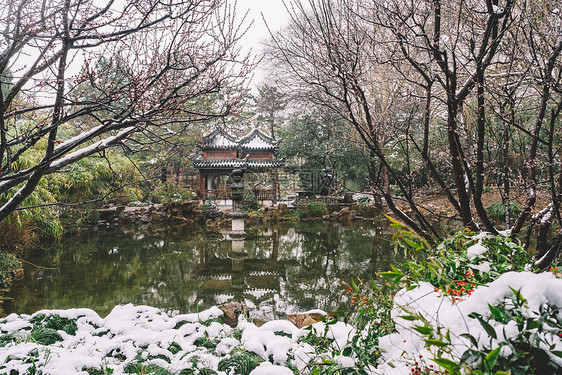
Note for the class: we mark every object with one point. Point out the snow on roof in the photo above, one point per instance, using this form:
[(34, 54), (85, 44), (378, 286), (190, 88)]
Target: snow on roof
[(219, 139), (257, 140), (236, 163), (254, 140)]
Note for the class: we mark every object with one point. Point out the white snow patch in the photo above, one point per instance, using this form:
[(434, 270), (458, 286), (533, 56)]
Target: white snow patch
[(266, 368), (129, 331), (345, 361), (483, 267), (407, 344), (475, 250)]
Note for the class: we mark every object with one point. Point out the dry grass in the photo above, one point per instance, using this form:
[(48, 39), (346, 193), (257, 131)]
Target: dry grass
[(17, 234)]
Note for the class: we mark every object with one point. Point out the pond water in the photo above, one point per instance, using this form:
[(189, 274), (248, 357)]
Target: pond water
[(286, 268)]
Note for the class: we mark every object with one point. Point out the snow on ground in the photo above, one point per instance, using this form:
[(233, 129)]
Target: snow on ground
[(403, 347), (144, 334)]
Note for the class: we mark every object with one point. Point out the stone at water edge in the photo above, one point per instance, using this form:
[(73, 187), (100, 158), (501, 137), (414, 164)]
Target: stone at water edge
[(305, 319), (231, 312)]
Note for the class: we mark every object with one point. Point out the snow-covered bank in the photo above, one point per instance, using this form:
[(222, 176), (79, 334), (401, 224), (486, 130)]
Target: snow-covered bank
[(469, 306), (148, 338)]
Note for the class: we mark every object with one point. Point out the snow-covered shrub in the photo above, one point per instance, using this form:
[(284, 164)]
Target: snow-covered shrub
[(459, 263), (463, 309), (512, 324)]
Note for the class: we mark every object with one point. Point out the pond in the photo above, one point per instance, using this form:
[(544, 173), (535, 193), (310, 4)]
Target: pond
[(286, 268)]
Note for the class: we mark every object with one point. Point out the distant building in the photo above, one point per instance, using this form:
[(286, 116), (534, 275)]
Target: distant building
[(256, 152)]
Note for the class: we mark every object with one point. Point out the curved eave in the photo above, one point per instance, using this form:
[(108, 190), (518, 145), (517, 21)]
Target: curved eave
[(236, 163), (250, 148), (215, 147)]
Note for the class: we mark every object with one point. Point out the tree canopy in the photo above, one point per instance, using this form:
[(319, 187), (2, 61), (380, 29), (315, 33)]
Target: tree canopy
[(464, 91), (102, 73)]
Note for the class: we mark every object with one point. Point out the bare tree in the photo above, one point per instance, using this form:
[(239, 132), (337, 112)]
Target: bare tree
[(164, 62), (433, 79), (542, 29)]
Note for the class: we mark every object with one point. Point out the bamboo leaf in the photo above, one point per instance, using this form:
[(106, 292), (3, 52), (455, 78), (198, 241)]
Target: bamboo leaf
[(487, 327), (447, 364), (408, 317), (434, 342), (471, 338), (424, 330), (492, 358), (496, 313)]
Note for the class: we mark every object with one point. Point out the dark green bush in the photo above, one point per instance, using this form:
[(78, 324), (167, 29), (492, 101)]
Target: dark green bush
[(496, 211), (55, 322), (240, 363), (10, 267)]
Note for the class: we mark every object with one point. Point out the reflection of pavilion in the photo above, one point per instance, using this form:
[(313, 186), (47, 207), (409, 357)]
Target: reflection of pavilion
[(255, 152), (254, 277)]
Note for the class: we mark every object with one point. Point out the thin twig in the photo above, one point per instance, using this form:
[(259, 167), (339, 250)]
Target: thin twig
[(35, 265)]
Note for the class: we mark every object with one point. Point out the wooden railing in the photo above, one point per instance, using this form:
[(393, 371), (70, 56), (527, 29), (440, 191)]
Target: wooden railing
[(266, 194), (216, 193)]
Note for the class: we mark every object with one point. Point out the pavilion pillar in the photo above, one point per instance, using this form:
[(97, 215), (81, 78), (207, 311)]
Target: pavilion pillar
[(201, 181), (209, 177), (202, 194), (275, 187)]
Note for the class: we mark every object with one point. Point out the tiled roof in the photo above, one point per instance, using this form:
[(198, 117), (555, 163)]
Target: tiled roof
[(254, 140), (219, 140), (236, 163), (257, 140)]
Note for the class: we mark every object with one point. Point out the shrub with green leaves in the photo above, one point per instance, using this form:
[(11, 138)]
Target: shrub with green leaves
[(496, 211), (309, 209), (449, 268), (368, 311), (517, 341), (140, 368), (240, 362), (10, 266), (511, 338), (55, 322), (529, 346)]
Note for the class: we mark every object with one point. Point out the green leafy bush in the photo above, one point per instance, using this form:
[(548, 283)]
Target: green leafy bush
[(448, 267), (10, 267), (368, 310), (453, 269), (241, 362), (44, 336), (55, 322), (496, 211), (142, 368), (98, 371), (309, 209), (529, 347)]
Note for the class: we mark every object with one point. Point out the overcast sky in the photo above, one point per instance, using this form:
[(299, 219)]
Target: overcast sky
[(274, 13)]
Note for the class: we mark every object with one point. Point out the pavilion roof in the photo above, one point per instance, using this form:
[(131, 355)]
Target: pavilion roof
[(237, 163), (218, 139), (254, 140), (257, 140)]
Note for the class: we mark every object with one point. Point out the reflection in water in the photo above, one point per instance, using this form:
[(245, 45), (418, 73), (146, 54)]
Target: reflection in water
[(286, 268)]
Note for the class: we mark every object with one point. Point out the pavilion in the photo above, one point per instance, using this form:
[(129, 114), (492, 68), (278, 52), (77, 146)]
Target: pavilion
[(256, 153)]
